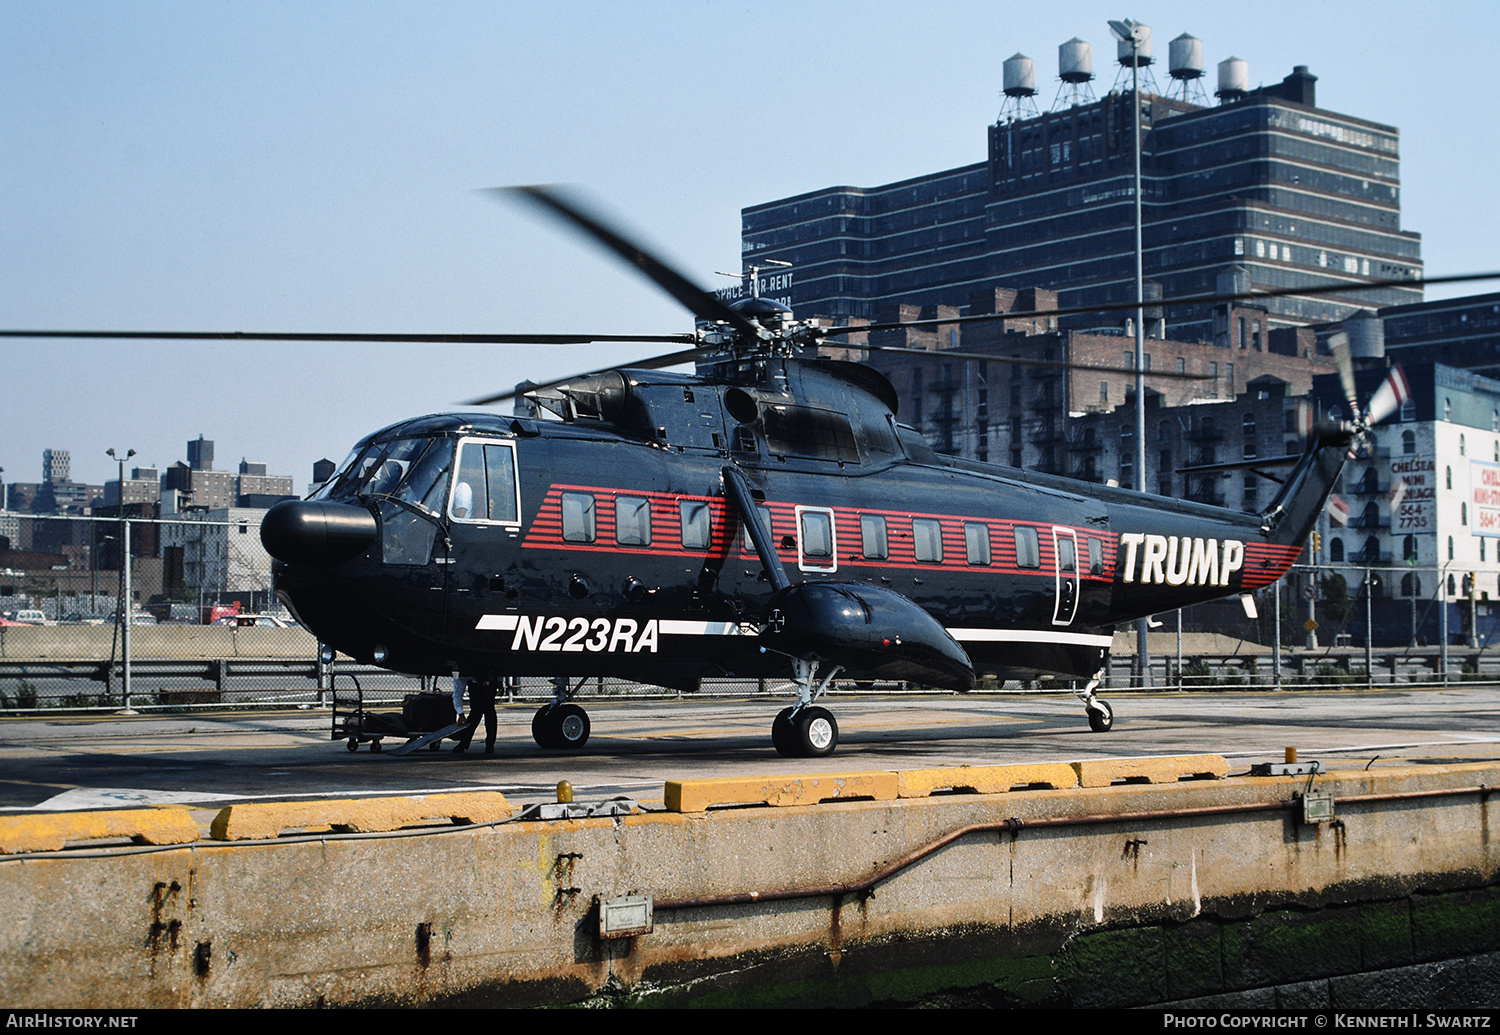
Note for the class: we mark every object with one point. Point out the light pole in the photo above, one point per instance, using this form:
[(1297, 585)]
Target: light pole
[(126, 603), (1129, 31)]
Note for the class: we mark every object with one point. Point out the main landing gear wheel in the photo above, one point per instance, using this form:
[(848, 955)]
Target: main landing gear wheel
[(1101, 716), (817, 733), (783, 737), (812, 733), (564, 728)]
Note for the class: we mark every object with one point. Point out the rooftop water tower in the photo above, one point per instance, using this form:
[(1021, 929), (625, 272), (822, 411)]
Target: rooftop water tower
[(1234, 80), (1020, 88), (1137, 56), (1075, 67), (1185, 66)]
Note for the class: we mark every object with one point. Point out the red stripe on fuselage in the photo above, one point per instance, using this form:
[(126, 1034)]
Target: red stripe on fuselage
[(666, 534)]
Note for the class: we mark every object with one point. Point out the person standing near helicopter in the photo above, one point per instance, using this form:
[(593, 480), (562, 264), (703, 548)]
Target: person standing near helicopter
[(481, 706)]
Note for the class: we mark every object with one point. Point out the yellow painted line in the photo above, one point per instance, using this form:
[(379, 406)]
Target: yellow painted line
[(1102, 772), (258, 821), (985, 779), (157, 826), (781, 791)]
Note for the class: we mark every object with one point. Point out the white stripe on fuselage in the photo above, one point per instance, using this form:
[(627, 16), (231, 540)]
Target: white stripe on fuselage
[(687, 627), (1030, 636)]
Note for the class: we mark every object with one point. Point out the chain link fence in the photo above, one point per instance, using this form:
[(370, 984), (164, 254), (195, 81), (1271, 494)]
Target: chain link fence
[(189, 619)]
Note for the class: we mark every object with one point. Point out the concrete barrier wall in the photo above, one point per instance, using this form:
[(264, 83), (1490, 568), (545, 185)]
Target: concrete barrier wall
[(98, 642), (506, 915)]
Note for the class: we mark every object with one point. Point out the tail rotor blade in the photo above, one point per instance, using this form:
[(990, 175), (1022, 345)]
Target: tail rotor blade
[(1338, 344), (1304, 419), (1389, 397)]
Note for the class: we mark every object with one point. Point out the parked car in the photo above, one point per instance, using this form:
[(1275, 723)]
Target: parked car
[(31, 616), (253, 621)]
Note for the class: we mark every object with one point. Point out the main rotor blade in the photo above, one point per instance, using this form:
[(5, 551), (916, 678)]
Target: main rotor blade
[(1019, 362), (426, 339), (1331, 288), (573, 210), (671, 359)]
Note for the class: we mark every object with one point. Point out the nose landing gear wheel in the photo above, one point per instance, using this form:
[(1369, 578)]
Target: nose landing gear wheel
[(1101, 716), (561, 728)]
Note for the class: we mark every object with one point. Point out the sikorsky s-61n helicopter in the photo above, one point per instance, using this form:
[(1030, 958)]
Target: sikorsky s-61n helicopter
[(766, 517)]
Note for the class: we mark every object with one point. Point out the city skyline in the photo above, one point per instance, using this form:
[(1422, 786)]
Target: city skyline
[(274, 168)]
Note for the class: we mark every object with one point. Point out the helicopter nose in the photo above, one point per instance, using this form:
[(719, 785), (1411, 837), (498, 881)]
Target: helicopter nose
[(316, 532)]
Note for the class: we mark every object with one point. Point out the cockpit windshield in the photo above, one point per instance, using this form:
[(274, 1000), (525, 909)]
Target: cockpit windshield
[(413, 470)]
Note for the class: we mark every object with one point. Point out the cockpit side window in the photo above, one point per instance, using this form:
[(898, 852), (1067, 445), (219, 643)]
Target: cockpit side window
[(485, 488)]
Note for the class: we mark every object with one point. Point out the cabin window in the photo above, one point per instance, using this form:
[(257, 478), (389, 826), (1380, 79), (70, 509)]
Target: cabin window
[(1028, 551), (695, 524), (632, 521), (977, 542), (1096, 557), (1067, 561), (485, 489), (577, 517), (927, 540), (817, 533), (873, 543), (815, 540)]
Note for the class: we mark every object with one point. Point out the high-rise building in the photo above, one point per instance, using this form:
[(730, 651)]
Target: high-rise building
[(1262, 190), (1461, 332), (200, 453), (56, 464)]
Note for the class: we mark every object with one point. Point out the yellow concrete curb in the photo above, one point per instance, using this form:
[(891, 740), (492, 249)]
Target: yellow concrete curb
[(985, 779), (1101, 772), (365, 815), (49, 833), (697, 795)]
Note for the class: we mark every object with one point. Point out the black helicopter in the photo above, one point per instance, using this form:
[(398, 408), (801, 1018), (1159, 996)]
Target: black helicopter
[(768, 516)]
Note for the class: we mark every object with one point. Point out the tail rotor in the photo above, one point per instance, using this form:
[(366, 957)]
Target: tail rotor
[(1385, 403)]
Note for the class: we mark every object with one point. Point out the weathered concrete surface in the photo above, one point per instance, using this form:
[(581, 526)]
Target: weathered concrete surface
[(504, 914), (51, 833), (261, 820)]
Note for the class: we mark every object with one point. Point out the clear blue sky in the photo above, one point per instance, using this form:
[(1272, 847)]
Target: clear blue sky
[(260, 166)]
